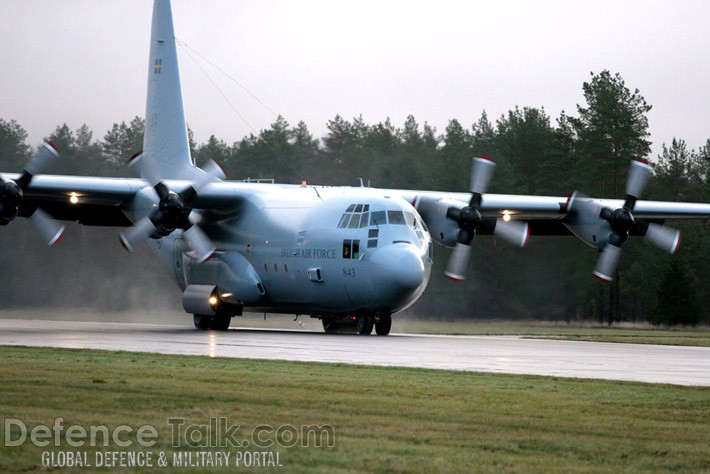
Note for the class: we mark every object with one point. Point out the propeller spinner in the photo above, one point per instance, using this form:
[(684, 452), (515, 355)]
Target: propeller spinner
[(469, 218)]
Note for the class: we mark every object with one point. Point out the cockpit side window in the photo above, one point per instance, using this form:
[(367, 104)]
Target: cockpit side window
[(409, 217)]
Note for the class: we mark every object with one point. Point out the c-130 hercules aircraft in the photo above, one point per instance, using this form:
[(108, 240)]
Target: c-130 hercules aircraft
[(348, 256)]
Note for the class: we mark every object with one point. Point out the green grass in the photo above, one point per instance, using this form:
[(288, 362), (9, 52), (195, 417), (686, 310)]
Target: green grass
[(385, 419)]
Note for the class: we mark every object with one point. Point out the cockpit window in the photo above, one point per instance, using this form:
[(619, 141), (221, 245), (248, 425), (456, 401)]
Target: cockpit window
[(354, 221), (378, 218), (396, 217), (356, 216)]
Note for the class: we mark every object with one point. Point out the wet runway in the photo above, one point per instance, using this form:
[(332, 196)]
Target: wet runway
[(503, 354)]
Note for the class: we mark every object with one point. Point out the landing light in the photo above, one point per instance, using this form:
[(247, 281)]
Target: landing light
[(73, 198), (213, 300), (506, 216)]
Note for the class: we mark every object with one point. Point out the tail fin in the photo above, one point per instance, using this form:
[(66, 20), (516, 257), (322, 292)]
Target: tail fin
[(166, 148)]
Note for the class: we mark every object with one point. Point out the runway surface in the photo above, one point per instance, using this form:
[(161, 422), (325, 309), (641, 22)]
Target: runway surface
[(503, 354)]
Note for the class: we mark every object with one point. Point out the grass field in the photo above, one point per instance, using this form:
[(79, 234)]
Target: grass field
[(383, 419)]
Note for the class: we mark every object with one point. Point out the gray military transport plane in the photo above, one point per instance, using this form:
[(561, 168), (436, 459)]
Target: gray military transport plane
[(348, 256)]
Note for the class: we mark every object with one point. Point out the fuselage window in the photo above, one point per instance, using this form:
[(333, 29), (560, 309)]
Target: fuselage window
[(351, 249), (373, 233), (286, 268), (372, 243), (396, 217), (276, 268)]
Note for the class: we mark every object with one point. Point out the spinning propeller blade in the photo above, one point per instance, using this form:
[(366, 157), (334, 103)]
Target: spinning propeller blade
[(469, 218), (174, 212)]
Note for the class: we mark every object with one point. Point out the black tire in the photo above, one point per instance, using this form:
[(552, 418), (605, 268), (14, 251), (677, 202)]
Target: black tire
[(365, 324), (202, 321), (383, 326), (221, 322)]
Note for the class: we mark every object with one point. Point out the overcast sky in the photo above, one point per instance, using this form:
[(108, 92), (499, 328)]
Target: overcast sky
[(86, 61)]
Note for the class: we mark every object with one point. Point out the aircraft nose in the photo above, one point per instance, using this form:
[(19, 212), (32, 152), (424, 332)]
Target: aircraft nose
[(399, 266)]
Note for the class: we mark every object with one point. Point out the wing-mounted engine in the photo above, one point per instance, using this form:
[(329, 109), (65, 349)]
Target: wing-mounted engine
[(608, 228), (455, 223), (12, 195), (433, 210), (171, 211), (584, 222), (233, 275)]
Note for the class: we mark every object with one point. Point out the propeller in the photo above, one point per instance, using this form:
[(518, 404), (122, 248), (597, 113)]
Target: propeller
[(12, 193), (173, 212), (622, 221), (469, 218)]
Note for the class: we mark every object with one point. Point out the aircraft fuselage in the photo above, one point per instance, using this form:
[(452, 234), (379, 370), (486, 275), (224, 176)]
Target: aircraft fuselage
[(317, 251)]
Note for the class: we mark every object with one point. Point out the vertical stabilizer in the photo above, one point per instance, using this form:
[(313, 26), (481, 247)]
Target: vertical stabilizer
[(166, 149)]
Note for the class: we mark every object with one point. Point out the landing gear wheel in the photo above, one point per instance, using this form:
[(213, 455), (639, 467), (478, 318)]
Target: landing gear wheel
[(365, 324), (383, 326), (221, 322), (202, 321)]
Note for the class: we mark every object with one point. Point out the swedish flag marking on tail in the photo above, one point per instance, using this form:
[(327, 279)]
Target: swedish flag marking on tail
[(157, 66)]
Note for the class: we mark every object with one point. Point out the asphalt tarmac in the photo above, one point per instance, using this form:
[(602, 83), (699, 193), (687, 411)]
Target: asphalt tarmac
[(501, 354)]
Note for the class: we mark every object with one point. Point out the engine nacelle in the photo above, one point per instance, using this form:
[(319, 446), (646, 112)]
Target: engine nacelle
[(233, 274), (589, 228), (201, 299), (443, 230)]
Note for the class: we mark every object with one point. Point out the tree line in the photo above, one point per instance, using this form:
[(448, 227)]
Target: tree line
[(588, 151)]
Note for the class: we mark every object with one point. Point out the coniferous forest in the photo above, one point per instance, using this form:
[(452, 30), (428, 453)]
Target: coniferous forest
[(588, 150)]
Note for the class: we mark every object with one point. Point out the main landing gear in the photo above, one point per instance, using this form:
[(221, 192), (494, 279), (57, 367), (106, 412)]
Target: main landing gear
[(362, 324), (219, 322)]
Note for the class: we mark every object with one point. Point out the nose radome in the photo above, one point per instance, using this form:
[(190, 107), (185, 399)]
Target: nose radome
[(399, 265)]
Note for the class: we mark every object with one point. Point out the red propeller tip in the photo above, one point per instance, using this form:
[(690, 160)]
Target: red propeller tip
[(603, 278), (676, 244), (456, 278), (58, 237), (49, 143)]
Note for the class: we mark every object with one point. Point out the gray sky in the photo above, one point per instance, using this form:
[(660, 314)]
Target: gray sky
[(86, 61)]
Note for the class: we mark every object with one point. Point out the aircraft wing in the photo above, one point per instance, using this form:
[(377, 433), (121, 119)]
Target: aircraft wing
[(102, 201), (554, 207)]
